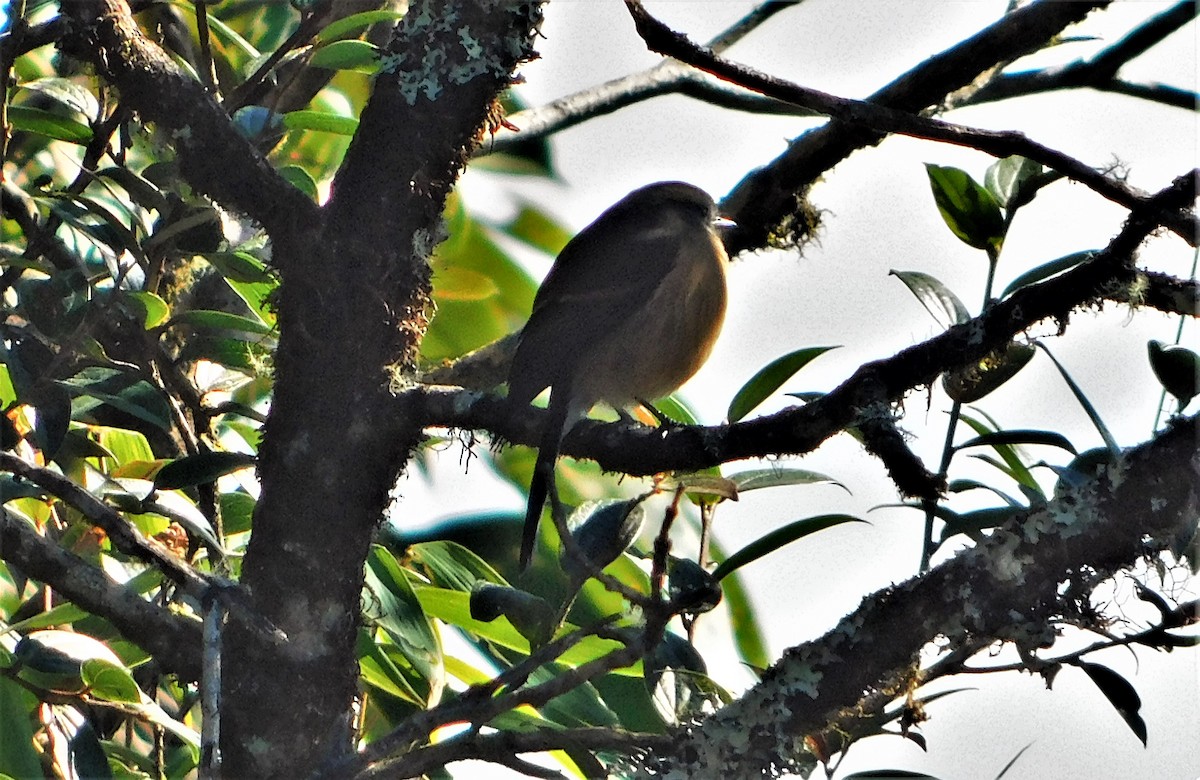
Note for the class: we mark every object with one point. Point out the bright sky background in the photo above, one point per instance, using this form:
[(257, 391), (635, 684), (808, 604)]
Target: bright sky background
[(879, 215)]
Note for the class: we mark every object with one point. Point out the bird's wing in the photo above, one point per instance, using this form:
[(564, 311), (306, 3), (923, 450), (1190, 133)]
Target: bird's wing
[(606, 273)]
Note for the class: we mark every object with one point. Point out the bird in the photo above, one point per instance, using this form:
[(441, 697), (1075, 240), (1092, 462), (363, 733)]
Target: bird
[(629, 311)]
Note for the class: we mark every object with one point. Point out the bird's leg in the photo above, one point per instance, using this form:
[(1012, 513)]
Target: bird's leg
[(662, 418)]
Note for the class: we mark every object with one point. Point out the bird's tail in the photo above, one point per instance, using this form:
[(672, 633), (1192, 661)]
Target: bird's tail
[(557, 421)]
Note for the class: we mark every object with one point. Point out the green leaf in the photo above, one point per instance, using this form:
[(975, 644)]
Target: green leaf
[(66, 92), (1177, 370), (399, 613), (769, 379), (673, 407), (1047, 270), (1120, 694), (771, 542), (756, 479), (137, 397), (941, 303), (458, 326), (1013, 465), (321, 121), (109, 682), (36, 120), (462, 284), (451, 565), (453, 607), (17, 755), (239, 267), (125, 446), (220, 320), (257, 295), (355, 22), (1006, 178), (200, 469), (301, 179), (153, 310), (237, 512), (968, 209), (381, 672), (536, 228), (346, 55)]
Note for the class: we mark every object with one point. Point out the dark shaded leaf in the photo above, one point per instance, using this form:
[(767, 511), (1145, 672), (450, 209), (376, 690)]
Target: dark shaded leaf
[(1085, 403), (200, 469), (694, 588), (770, 378), (1120, 694), (971, 383), (1177, 370), (126, 392), (1047, 270), (1012, 465), (972, 523), (531, 615), (1020, 436), (602, 530), (941, 303)]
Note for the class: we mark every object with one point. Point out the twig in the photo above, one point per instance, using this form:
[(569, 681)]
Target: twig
[(881, 118), (1100, 71), (663, 79)]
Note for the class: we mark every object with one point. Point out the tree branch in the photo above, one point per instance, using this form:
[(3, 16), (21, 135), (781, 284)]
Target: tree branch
[(663, 79), (1006, 589), (172, 639), (879, 118), (124, 536), (1100, 72), (214, 157)]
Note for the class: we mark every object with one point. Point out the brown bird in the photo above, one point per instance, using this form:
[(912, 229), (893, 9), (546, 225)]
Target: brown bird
[(629, 311)]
